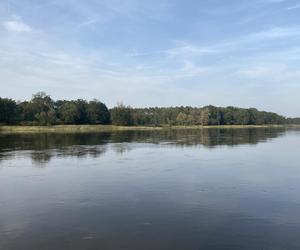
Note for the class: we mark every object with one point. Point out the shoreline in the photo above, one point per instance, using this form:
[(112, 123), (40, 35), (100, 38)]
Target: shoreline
[(6, 129)]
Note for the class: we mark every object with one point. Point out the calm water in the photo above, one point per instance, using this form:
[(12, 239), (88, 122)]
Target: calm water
[(209, 189)]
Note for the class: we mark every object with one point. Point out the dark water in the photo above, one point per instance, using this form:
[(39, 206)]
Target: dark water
[(178, 190)]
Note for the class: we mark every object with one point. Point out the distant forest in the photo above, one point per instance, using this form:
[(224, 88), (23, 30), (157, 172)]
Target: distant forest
[(42, 110)]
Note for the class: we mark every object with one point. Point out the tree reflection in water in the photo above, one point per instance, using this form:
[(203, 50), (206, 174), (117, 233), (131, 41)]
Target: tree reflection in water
[(42, 147)]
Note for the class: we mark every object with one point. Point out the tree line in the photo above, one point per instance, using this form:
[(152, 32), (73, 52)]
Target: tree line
[(42, 110)]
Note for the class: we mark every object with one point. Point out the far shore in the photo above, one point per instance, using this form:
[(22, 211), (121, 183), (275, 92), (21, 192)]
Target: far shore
[(4, 129)]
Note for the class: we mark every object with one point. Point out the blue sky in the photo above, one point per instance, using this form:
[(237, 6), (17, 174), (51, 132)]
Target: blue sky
[(154, 53)]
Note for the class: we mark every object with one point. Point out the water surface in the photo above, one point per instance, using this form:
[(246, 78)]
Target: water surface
[(178, 189)]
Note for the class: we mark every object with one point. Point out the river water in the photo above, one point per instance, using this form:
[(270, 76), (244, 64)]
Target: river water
[(204, 189)]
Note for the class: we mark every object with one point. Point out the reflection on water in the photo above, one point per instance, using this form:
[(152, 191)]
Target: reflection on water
[(211, 189), (42, 147)]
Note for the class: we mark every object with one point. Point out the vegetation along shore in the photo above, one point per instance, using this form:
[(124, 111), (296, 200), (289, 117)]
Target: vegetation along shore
[(42, 113), (5, 129)]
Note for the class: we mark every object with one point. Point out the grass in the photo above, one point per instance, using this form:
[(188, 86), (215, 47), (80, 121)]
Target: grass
[(111, 128), (69, 128)]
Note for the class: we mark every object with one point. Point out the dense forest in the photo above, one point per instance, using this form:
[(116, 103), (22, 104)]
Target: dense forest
[(42, 110)]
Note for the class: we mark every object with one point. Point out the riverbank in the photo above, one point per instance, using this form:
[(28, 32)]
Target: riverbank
[(111, 128)]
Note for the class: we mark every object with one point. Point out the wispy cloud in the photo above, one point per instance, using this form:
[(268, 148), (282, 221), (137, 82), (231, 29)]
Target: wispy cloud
[(88, 22), (147, 53), (263, 71), (185, 49), (16, 26), (297, 6), (188, 49), (276, 32), (275, 1)]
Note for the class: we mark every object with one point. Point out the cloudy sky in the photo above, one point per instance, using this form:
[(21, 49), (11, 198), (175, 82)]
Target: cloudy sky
[(154, 52)]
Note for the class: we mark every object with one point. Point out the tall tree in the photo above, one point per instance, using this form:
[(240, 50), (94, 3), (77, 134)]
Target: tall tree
[(8, 111), (68, 113), (205, 117), (97, 113), (181, 118), (122, 115), (43, 107)]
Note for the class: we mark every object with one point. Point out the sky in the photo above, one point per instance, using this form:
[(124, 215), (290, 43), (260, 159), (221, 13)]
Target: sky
[(154, 52)]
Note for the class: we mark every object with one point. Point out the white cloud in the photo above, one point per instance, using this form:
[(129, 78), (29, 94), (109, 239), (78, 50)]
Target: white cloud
[(297, 6), (275, 1), (190, 49), (88, 22), (277, 32), (16, 26), (263, 71)]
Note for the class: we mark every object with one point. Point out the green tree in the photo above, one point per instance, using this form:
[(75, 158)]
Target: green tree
[(97, 113), (122, 115), (81, 107), (26, 112), (46, 118), (68, 113), (8, 111), (205, 117), (41, 102), (181, 118), (42, 106)]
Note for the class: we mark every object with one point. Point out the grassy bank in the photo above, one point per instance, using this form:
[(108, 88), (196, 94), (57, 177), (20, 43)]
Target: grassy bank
[(110, 128), (69, 129)]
